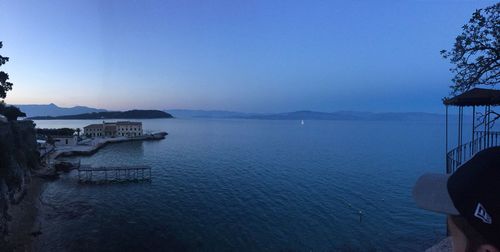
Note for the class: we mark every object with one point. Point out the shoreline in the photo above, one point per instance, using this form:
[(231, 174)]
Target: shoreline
[(25, 225), (98, 143)]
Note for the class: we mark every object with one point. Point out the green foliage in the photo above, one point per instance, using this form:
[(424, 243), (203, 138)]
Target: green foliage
[(476, 52), (18, 149), (11, 112), (4, 84), (56, 132)]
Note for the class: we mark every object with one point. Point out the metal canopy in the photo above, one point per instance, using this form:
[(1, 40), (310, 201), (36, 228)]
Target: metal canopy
[(475, 97)]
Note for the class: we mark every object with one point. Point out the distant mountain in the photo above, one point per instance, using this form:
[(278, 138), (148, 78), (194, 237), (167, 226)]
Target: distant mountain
[(131, 114), (187, 113), (305, 115), (347, 115), (309, 115), (54, 110)]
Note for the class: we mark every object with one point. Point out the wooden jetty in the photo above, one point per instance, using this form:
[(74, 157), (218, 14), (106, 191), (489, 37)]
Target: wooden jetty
[(89, 174)]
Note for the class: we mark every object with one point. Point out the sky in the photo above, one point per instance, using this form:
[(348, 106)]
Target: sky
[(249, 56)]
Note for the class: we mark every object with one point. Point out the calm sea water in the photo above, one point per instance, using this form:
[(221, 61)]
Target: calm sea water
[(254, 185)]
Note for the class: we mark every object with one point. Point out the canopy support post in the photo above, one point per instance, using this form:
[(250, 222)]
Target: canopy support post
[(473, 128), (446, 154), (485, 119)]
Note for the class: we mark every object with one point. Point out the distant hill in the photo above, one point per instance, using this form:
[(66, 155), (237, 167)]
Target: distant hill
[(308, 115), (305, 115), (131, 114), (187, 113), (54, 110), (348, 115)]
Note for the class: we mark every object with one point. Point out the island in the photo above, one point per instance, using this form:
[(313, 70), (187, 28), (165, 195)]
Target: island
[(130, 114)]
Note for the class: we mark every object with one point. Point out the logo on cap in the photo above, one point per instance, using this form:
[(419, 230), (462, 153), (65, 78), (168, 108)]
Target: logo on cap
[(482, 214)]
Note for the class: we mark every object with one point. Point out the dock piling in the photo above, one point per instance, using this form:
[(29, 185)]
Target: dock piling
[(105, 173)]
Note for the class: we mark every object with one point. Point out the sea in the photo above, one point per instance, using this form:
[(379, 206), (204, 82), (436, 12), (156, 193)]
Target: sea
[(253, 185)]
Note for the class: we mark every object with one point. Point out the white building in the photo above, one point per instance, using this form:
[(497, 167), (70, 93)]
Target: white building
[(113, 129), (93, 130), (130, 129), (65, 140)]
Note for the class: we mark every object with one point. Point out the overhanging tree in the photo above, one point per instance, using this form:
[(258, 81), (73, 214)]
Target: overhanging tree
[(476, 52), (4, 77), (11, 112)]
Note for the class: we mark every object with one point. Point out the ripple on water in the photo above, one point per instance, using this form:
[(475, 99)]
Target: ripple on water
[(255, 185)]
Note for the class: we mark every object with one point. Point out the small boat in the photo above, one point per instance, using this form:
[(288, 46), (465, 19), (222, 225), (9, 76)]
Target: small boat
[(302, 122)]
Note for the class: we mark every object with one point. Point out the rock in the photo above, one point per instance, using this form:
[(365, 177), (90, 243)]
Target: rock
[(49, 174), (18, 155), (64, 166)]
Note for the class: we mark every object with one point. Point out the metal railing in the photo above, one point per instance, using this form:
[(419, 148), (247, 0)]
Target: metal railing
[(461, 154)]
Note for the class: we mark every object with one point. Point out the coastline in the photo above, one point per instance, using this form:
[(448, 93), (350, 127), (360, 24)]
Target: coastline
[(98, 143), (26, 217)]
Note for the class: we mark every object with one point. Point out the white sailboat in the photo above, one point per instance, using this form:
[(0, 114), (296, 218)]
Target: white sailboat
[(302, 122)]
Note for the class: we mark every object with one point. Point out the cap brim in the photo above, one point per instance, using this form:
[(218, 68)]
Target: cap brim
[(431, 193)]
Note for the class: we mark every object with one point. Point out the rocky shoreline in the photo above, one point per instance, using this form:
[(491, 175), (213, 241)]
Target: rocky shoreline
[(19, 159), (25, 225), (22, 215)]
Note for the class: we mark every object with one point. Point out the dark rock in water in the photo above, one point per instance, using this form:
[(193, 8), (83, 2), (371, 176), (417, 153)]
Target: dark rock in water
[(45, 173), (159, 135), (64, 166), (48, 176)]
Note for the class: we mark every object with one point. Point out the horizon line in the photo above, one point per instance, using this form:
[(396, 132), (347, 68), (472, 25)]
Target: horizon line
[(230, 111)]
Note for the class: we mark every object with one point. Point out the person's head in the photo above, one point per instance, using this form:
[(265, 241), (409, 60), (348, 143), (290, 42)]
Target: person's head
[(471, 198)]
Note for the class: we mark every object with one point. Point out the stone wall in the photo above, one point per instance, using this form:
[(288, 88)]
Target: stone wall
[(18, 156)]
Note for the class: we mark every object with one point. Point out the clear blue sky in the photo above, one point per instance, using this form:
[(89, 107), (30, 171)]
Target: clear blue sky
[(252, 56)]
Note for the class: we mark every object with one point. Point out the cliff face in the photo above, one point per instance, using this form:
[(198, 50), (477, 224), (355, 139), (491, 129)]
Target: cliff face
[(18, 155)]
